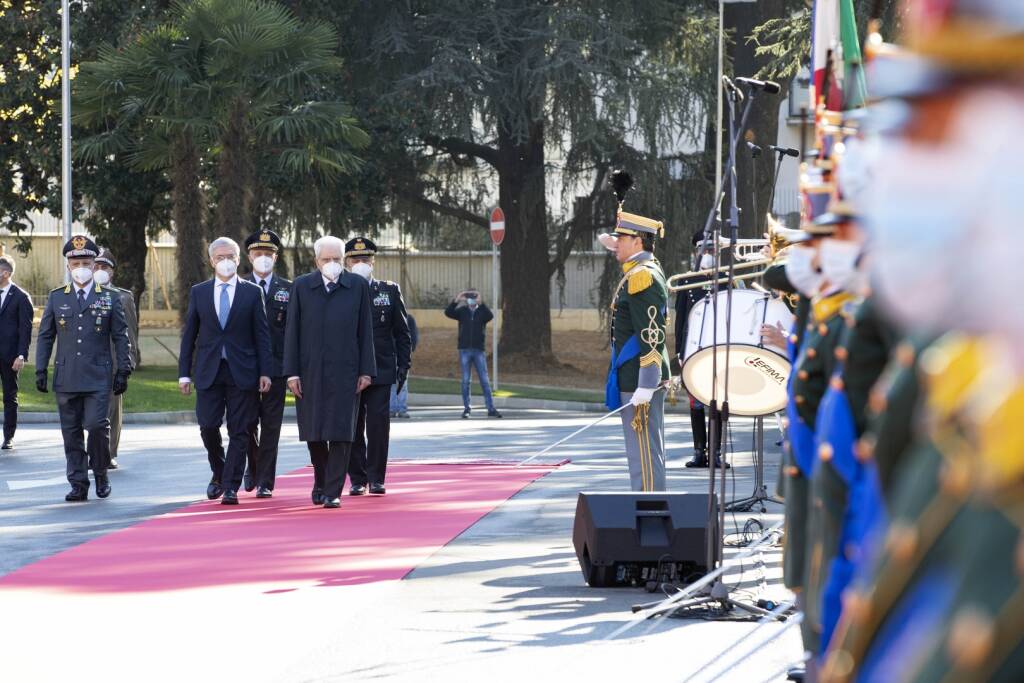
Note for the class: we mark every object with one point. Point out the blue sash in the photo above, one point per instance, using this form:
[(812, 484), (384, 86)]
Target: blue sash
[(801, 438), (630, 350)]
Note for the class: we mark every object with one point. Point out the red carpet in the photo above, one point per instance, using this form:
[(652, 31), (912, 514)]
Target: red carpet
[(285, 541)]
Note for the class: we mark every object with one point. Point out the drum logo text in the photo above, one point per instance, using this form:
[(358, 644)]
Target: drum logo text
[(765, 368)]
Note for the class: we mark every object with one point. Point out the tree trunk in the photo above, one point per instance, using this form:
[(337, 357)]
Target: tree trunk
[(187, 214), (762, 125), (235, 176), (130, 250), (525, 280)]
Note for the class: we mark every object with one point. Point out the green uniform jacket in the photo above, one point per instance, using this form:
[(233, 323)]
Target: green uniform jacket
[(640, 308)]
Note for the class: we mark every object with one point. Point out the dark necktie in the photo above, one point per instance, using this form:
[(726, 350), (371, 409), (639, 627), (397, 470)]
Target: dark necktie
[(263, 286), (81, 299), (331, 286)]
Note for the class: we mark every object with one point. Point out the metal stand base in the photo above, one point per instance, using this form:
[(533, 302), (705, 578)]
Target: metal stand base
[(760, 494), (718, 594)]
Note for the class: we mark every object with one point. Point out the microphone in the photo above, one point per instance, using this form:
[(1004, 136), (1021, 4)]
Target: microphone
[(731, 87), (770, 87), (755, 150), (785, 151)]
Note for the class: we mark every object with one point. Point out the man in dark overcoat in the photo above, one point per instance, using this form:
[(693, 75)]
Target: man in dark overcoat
[(329, 360)]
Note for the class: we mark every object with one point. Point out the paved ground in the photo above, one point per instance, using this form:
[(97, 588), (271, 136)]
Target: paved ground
[(503, 601)]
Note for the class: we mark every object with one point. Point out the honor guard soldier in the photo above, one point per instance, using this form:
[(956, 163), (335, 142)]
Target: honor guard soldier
[(392, 343), (263, 248), (639, 363), (943, 602), (84, 319), (104, 276)]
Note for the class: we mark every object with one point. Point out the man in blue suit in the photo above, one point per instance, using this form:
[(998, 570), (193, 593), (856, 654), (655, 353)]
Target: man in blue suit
[(225, 346), (15, 334)]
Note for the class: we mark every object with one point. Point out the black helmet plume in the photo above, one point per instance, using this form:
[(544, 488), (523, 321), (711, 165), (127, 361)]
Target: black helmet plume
[(621, 184)]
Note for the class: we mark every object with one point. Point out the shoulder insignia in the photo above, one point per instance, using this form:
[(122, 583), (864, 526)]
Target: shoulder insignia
[(640, 280), (99, 288), (66, 288)]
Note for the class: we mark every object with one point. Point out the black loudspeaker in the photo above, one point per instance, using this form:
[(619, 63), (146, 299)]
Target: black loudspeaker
[(628, 539)]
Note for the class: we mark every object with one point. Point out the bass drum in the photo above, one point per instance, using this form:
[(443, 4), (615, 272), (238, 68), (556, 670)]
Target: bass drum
[(758, 376)]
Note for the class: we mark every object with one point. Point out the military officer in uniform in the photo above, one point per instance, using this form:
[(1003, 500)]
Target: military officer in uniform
[(392, 343), (104, 276), (84, 319), (264, 248), (639, 365)]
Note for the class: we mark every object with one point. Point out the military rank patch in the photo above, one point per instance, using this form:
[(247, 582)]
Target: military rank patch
[(282, 295), (382, 299)]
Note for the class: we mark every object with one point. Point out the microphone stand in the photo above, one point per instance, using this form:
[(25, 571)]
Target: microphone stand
[(775, 182), (718, 593)]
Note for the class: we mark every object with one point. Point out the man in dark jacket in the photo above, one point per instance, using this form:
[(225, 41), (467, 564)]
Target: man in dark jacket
[(15, 336), (329, 360), (473, 315), (226, 333), (392, 343), (264, 435)]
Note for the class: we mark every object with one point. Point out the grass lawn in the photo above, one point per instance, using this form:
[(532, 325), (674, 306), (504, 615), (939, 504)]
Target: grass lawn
[(155, 389)]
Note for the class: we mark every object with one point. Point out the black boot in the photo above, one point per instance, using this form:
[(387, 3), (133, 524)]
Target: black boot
[(718, 462), (699, 459)]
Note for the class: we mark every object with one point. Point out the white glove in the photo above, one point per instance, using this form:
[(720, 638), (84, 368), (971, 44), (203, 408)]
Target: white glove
[(642, 395)]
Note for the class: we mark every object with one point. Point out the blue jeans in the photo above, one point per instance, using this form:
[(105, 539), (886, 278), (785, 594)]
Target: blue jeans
[(400, 401), (478, 359)]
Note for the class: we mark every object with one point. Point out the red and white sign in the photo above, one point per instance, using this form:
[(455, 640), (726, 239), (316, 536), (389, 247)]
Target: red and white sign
[(497, 225)]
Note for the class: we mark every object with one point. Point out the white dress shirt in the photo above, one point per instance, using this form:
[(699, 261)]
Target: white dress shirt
[(87, 288)]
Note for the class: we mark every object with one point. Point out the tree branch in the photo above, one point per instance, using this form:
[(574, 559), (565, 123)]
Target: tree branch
[(458, 146), (581, 222), (446, 209)]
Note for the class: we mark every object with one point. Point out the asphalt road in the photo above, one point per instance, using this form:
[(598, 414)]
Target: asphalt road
[(503, 601)]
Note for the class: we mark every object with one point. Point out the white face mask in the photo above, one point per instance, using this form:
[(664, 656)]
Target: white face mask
[(81, 275), (801, 272), (364, 270), (102, 277), (263, 264), (939, 214), (226, 268), (707, 261), (331, 270), (839, 262)]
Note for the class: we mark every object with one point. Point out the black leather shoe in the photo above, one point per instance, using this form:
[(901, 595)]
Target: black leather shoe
[(229, 498), (493, 413), (77, 494), (377, 489), (332, 502), (214, 490), (357, 490), (248, 482), (113, 464), (102, 485), (8, 444), (699, 459), (465, 414), (318, 496), (718, 463), (795, 674), (264, 492)]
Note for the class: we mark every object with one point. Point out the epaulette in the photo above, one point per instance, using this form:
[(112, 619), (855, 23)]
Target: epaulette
[(66, 288), (640, 279)]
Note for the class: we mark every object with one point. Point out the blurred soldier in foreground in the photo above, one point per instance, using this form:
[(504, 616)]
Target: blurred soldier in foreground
[(943, 601), (104, 276), (15, 337)]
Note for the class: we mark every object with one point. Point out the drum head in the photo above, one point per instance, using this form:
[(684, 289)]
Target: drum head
[(757, 378)]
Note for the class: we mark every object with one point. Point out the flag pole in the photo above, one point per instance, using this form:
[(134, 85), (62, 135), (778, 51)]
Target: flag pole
[(65, 124)]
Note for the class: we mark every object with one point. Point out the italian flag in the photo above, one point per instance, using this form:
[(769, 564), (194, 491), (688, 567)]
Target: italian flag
[(834, 30)]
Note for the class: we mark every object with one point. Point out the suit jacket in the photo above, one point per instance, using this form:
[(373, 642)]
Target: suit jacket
[(392, 340), (245, 339), (15, 325), (276, 304), (83, 336), (328, 345)]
